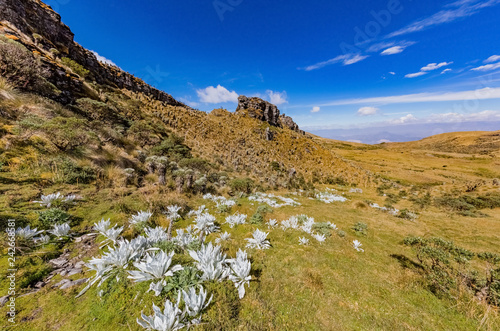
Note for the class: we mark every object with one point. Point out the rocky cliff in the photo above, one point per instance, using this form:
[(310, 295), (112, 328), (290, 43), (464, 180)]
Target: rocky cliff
[(39, 28), (266, 112)]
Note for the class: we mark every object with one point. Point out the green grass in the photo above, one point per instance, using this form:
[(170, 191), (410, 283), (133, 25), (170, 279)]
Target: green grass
[(316, 287)]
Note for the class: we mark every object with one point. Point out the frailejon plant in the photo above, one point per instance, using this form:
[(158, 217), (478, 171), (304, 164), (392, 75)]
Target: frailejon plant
[(259, 240), (303, 241), (357, 245), (27, 233), (236, 219), (140, 219), (110, 233), (319, 237), (156, 235), (210, 261), (60, 230), (154, 267), (115, 259), (204, 225), (57, 199), (240, 271), (223, 237)]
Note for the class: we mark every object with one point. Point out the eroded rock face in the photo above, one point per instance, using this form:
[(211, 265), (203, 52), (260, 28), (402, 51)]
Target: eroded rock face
[(39, 28), (266, 112), (259, 109)]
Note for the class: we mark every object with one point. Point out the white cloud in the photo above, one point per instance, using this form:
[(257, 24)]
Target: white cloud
[(217, 94), (435, 66), (445, 71), (427, 68), (367, 111), (393, 50), (346, 59), (483, 116), (103, 59), (277, 98), (459, 9), (487, 67), (392, 73), (315, 109), (416, 74), (405, 119), (493, 58), (486, 93)]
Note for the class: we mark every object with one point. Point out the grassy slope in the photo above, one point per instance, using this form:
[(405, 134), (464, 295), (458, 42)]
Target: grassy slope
[(328, 287)]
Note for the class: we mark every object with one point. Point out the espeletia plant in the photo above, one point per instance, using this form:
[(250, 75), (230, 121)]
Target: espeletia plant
[(211, 261), (204, 225), (223, 237), (115, 259), (240, 271), (236, 219), (259, 240), (110, 233), (140, 219), (154, 267), (27, 233), (60, 230)]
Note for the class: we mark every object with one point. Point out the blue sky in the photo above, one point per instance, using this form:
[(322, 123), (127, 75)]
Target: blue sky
[(328, 64)]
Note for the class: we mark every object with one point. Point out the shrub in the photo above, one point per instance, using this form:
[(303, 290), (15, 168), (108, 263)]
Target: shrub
[(195, 164), (173, 147), (360, 228), (422, 202), (19, 66), (243, 185), (260, 213), (75, 174), (75, 67), (407, 215), (322, 228), (52, 216), (442, 262)]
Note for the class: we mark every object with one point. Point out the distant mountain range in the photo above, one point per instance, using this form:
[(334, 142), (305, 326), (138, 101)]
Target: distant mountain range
[(402, 133)]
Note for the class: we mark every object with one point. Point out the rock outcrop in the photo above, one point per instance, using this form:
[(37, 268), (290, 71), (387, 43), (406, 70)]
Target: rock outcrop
[(265, 111), (39, 28)]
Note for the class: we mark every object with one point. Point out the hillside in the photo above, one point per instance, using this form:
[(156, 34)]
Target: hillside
[(124, 209)]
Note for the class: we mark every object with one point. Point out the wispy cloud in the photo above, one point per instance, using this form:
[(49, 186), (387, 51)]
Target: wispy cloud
[(277, 98), (404, 120), (435, 66), (416, 74), (103, 59), (427, 68), (479, 94), (346, 59), (217, 94), (493, 58), (393, 50), (367, 111), (454, 11), (315, 109), (445, 71), (487, 67)]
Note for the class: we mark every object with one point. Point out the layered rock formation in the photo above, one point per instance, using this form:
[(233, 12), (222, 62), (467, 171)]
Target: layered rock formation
[(266, 112), (39, 28)]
